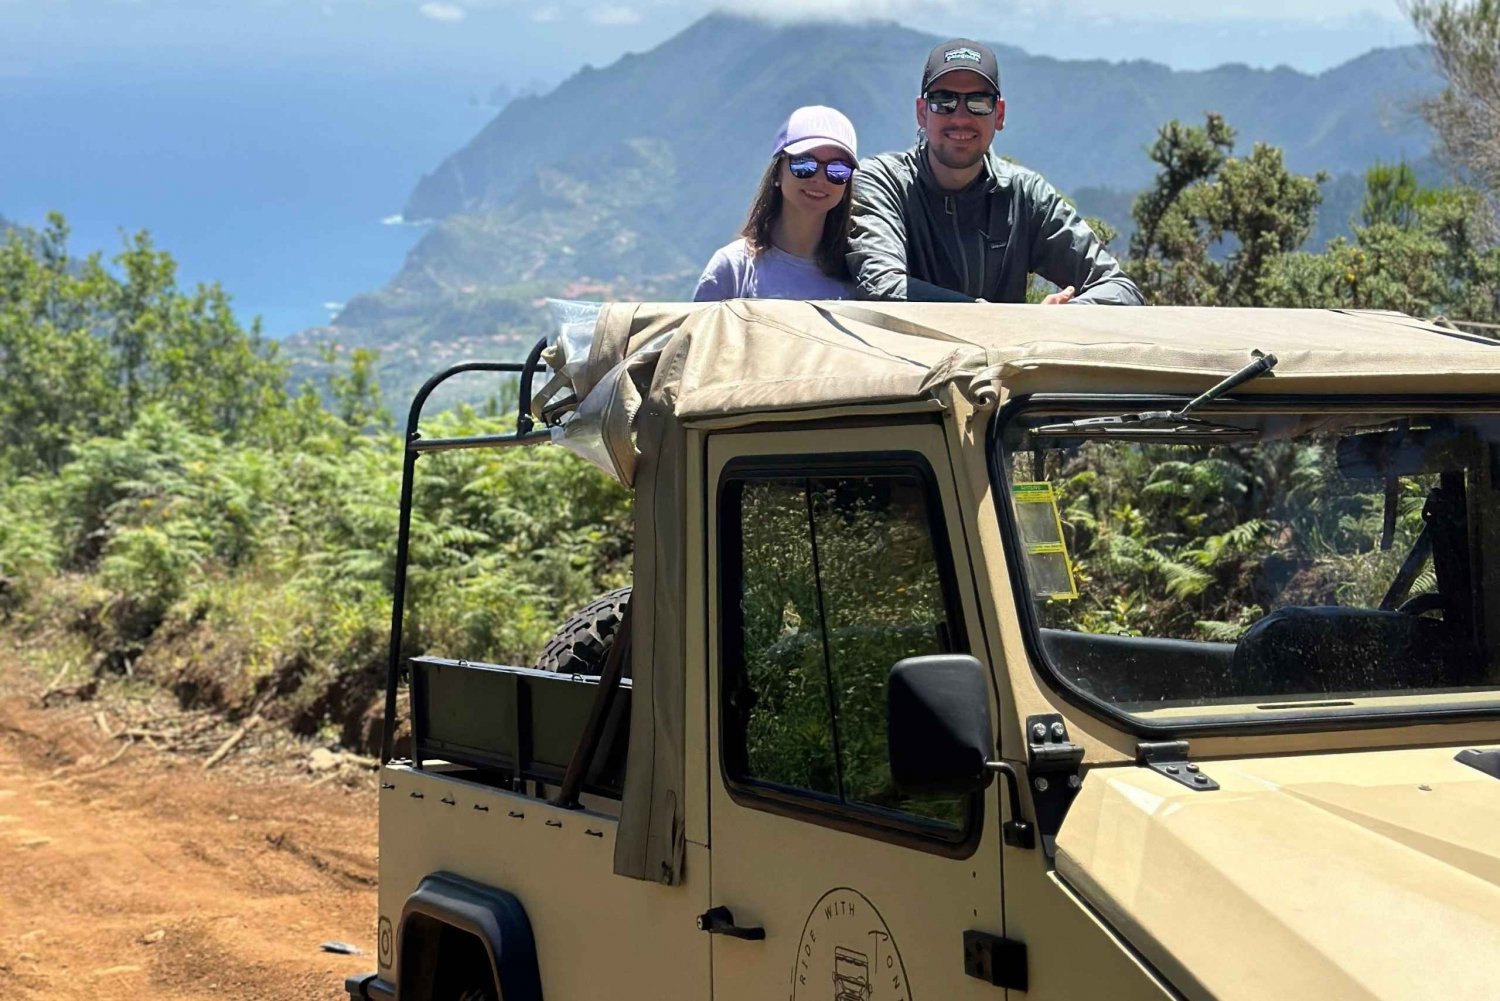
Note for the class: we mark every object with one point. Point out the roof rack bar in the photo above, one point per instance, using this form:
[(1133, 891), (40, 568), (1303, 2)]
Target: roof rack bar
[(415, 446), (423, 445), (532, 365)]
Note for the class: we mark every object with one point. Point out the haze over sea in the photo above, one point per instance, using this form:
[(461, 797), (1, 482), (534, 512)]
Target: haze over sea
[(262, 143), (276, 188)]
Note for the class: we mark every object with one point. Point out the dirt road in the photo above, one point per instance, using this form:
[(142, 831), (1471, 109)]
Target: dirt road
[(138, 874)]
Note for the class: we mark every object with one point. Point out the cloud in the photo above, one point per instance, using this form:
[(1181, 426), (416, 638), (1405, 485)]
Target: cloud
[(544, 15), (448, 13), (615, 15)]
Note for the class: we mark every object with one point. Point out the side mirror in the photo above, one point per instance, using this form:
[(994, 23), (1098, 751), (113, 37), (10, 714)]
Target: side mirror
[(939, 733)]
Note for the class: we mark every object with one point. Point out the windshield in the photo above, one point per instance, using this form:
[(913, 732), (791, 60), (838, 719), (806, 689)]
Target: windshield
[(1270, 563)]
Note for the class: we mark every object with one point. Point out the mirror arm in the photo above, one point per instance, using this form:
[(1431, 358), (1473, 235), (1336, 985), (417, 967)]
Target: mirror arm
[(1017, 833)]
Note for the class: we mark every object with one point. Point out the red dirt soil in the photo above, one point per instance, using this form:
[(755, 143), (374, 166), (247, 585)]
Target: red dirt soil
[(138, 874)]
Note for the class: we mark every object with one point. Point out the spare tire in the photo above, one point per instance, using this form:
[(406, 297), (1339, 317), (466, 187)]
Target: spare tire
[(582, 642)]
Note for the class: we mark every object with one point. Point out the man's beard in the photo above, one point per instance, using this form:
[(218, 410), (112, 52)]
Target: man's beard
[(952, 160)]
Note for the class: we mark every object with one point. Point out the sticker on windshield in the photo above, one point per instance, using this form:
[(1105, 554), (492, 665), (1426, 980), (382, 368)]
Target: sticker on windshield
[(1040, 525)]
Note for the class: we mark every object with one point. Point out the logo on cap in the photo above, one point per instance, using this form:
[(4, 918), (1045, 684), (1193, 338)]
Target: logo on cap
[(953, 54)]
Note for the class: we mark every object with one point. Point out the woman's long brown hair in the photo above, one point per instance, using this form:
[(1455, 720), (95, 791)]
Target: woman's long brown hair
[(833, 244)]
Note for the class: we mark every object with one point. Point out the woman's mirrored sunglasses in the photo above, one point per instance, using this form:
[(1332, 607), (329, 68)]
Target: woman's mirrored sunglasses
[(806, 165), (945, 102)]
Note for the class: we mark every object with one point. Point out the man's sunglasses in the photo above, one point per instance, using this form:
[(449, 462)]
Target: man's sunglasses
[(805, 166), (945, 102)]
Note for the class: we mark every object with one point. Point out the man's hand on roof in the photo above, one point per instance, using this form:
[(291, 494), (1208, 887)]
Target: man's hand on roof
[(1058, 298)]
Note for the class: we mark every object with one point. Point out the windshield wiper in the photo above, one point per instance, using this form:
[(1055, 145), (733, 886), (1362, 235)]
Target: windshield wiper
[(1170, 422)]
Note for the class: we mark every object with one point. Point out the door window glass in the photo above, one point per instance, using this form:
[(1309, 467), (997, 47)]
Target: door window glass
[(833, 579), (783, 699)]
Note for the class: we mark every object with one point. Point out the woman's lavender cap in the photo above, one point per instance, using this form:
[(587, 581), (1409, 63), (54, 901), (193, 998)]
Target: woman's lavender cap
[(814, 126)]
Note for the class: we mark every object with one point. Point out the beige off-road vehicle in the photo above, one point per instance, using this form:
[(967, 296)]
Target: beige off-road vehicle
[(982, 651)]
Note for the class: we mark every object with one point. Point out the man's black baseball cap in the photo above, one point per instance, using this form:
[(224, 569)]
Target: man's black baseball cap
[(961, 54)]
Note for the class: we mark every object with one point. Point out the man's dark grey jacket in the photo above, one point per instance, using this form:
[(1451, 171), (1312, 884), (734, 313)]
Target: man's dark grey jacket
[(914, 241)]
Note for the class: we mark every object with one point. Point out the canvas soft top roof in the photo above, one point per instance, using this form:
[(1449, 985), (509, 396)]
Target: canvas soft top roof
[(650, 370), (747, 356)]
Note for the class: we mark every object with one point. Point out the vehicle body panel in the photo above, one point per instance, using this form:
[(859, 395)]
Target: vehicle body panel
[(1071, 951), (628, 931), (845, 915), (1363, 875)]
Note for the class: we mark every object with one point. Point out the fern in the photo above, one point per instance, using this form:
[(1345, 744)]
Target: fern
[(1219, 632)]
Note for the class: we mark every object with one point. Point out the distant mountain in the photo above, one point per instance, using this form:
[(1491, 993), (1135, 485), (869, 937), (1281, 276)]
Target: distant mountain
[(721, 87), (621, 181)]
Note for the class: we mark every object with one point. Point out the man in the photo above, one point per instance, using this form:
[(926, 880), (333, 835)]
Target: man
[(948, 221)]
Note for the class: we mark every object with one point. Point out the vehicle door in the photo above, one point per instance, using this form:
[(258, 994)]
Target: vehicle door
[(833, 555)]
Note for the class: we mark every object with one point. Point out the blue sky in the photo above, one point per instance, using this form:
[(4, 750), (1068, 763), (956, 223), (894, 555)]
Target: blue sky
[(513, 41), (263, 141)]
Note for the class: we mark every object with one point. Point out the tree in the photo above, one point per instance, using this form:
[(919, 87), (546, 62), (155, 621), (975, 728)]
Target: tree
[(356, 396), (1217, 230), (1390, 196), (1187, 155), (55, 382), (1419, 251), (84, 350), (1465, 39), (1213, 224)]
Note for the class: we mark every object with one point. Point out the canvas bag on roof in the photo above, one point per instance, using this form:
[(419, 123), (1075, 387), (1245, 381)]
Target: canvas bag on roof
[(604, 357)]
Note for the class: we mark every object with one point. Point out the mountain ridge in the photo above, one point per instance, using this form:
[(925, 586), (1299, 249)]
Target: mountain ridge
[(1144, 94)]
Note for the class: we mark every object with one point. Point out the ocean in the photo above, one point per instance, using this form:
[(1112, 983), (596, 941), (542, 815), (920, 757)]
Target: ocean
[(280, 185)]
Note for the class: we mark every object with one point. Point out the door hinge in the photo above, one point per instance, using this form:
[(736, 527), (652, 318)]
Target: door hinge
[(1170, 758), (1053, 769), (1486, 761), (996, 960)]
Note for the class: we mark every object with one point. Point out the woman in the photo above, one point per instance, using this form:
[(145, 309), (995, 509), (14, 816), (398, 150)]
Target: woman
[(793, 243)]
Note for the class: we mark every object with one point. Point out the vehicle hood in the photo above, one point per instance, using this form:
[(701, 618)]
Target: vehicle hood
[(1351, 875)]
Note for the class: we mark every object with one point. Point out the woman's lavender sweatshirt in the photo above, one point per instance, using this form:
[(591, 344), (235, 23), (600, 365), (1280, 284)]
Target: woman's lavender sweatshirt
[(735, 273)]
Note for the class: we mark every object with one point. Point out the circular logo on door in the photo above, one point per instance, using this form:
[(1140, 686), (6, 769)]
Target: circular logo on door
[(847, 953)]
